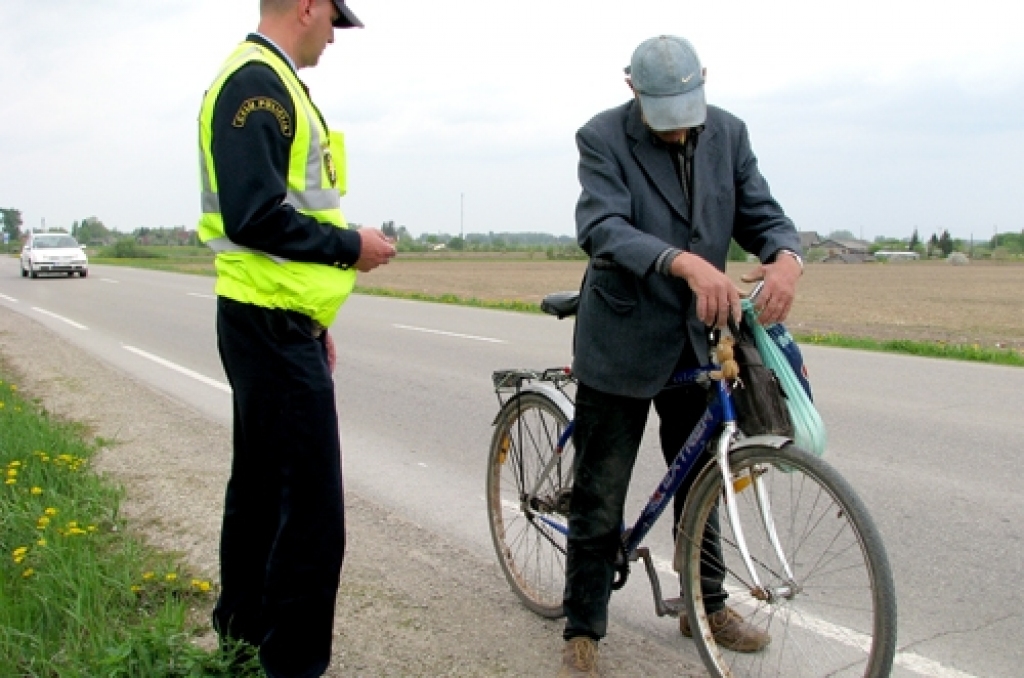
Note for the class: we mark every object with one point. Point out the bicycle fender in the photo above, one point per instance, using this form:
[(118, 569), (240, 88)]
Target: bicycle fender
[(776, 442), (546, 390)]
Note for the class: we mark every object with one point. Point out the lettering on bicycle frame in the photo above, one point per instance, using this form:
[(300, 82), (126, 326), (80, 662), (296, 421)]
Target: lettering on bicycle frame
[(675, 475)]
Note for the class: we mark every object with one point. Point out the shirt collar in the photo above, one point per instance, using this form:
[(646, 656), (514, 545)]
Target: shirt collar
[(277, 48)]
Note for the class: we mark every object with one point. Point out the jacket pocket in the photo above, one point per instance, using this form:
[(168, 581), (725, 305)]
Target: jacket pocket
[(612, 287)]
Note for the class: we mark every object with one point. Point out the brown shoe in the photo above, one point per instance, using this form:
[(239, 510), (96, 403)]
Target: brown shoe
[(579, 659), (730, 631)]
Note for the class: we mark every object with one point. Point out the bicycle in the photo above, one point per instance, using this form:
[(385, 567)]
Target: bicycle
[(802, 557)]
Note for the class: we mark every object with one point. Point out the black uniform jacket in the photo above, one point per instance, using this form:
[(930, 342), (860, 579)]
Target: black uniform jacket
[(251, 162)]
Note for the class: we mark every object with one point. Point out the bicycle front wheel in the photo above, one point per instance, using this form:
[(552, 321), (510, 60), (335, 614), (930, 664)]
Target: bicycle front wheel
[(825, 595), (528, 488)]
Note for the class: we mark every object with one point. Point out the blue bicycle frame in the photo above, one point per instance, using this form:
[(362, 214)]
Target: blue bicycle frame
[(719, 411)]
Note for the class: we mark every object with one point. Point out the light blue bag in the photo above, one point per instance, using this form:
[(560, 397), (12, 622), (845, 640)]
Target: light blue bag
[(780, 354)]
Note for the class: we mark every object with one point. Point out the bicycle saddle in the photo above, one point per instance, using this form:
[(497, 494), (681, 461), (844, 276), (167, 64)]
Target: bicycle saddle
[(561, 304)]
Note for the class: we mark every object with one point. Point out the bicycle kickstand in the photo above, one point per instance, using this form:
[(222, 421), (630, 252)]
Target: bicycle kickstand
[(672, 607)]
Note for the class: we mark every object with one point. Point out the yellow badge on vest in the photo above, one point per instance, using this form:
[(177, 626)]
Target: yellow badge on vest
[(332, 171), (284, 121)]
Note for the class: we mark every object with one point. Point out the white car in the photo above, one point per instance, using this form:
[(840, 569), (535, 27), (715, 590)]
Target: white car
[(53, 253)]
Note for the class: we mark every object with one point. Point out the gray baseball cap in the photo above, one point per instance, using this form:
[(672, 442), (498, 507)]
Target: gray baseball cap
[(348, 19), (667, 75)]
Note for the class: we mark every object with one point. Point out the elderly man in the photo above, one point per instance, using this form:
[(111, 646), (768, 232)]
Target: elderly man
[(667, 183), (272, 176)]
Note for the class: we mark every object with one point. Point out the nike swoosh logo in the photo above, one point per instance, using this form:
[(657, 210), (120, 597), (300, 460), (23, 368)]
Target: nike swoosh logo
[(688, 78)]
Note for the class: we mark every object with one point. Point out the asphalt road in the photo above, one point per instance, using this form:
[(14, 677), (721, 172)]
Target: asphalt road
[(934, 447)]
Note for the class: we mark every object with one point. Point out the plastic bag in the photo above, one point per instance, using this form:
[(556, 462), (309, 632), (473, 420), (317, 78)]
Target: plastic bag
[(780, 354)]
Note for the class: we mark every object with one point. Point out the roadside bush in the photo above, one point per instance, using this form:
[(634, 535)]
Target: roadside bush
[(127, 248)]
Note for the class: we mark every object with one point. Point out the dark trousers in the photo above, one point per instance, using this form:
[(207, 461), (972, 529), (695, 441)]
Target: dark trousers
[(607, 439), (283, 535)]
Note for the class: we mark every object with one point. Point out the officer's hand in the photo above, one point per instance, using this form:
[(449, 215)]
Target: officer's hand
[(375, 250), (776, 297), (714, 292)]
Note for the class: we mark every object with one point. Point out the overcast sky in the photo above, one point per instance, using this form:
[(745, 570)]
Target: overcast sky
[(873, 116)]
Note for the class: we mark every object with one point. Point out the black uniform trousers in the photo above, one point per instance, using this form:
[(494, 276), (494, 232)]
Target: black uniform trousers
[(607, 437), (283, 535)]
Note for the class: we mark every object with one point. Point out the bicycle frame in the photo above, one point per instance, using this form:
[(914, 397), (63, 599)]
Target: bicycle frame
[(720, 413)]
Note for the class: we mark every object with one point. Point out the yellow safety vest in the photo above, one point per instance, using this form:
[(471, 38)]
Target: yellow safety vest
[(316, 182)]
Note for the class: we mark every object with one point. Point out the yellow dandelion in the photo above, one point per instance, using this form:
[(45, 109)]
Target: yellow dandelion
[(41, 542), (51, 511), (201, 585), (72, 524), (37, 491), (28, 572), (148, 575), (12, 472), (1, 404), (14, 464), (11, 481), (92, 528), (42, 522), (20, 551), (14, 387), (44, 458), (170, 576), (136, 588), (18, 560), (76, 531)]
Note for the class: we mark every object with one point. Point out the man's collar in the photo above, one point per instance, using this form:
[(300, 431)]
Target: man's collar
[(267, 42)]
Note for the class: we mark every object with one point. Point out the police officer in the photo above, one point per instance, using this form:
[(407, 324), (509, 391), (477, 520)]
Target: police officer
[(272, 177)]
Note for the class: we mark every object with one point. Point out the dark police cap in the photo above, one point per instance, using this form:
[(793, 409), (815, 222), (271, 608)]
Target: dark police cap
[(348, 19)]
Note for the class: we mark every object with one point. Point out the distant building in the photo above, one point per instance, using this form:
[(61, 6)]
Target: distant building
[(845, 251), (886, 255), (808, 239)]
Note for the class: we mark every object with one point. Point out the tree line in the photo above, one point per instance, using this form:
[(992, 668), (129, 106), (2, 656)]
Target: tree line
[(93, 232)]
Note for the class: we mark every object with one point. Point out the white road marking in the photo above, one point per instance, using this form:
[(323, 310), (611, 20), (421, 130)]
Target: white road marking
[(111, 281), (10, 299), (202, 296), (450, 334), (221, 386), (907, 660), (60, 318)]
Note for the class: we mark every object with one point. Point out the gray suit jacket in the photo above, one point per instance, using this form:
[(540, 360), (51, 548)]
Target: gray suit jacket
[(633, 322)]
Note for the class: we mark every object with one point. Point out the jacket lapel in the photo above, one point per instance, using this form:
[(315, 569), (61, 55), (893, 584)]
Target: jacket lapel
[(655, 162), (706, 150)]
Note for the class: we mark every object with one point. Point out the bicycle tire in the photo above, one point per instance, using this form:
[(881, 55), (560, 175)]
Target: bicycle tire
[(839, 616), (531, 553)]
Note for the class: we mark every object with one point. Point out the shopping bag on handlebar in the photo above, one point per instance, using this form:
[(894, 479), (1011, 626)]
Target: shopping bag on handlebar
[(758, 395), (780, 353)]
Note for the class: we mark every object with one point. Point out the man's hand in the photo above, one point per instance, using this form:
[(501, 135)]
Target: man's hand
[(715, 294), (376, 249), (332, 352), (776, 298)]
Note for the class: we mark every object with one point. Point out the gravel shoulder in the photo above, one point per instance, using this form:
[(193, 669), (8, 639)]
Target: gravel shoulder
[(410, 603)]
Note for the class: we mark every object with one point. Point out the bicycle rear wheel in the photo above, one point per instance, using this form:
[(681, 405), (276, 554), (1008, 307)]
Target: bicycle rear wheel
[(836, 615), (530, 549)]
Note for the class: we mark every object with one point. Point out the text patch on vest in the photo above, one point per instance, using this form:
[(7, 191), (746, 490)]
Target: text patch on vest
[(248, 106)]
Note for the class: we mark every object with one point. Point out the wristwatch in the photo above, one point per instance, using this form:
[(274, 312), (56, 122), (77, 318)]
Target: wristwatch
[(799, 259)]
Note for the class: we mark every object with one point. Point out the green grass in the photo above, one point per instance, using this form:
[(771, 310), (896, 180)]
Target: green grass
[(504, 305), (80, 595), (928, 349)]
